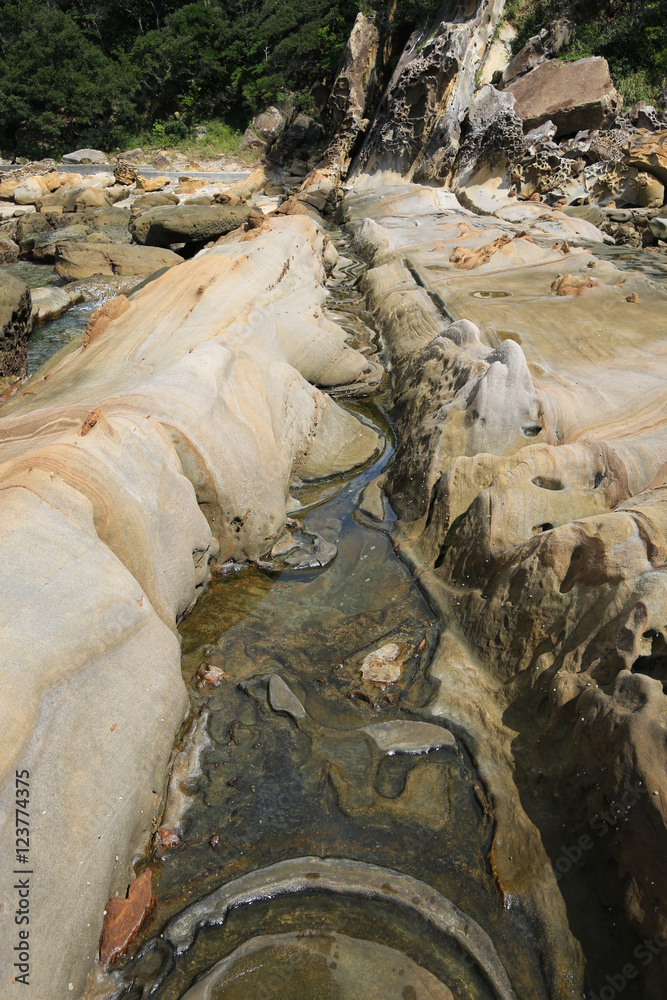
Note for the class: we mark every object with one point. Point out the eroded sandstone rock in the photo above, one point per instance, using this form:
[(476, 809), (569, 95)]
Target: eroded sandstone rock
[(160, 227), (191, 398), (529, 479), (15, 324)]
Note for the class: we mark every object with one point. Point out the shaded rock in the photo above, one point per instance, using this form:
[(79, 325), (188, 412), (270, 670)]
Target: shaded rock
[(125, 172), (623, 185), (546, 44), (103, 316), (30, 225), (352, 92), (87, 156), (160, 227), (124, 918), (643, 116), (15, 324), (574, 96), (41, 247), (265, 129), (9, 251), (648, 151), (149, 184), (161, 162), (49, 303), (491, 137), (82, 260), (104, 219)]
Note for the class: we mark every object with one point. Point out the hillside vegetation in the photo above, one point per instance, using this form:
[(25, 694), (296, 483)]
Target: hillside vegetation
[(109, 73), (100, 72), (630, 34)]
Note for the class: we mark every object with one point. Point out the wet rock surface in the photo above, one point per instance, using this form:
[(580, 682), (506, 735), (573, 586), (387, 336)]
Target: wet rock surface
[(108, 477), (526, 462)]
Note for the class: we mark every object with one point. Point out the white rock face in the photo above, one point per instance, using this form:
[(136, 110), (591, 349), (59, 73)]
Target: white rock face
[(188, 398)]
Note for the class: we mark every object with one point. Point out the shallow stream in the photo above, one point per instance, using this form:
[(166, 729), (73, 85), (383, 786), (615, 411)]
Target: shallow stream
[(294, 757)]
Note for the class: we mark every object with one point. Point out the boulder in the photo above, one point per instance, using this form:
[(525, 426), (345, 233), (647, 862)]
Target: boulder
[(76, 260), (574, 96), (41, 247), (146, 201), (131, 156), (9, 251), (161, 162), (30, 190), (265, 129), (125, 172), (15, 324), (87, 156), (648, 151), (149, 184), (546, 44), (623, 185), (160, 227), (49, 303), (658, 227)]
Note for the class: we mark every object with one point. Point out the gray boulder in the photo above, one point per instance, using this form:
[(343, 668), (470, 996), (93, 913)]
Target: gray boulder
[(85, 156), (41, 247), (132, 156), (574, 96), (265, 129), (15, 324), (160, 227), (49, 303)]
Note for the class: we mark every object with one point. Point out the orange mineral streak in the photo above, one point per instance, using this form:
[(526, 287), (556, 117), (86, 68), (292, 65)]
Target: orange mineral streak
[(124, 917)]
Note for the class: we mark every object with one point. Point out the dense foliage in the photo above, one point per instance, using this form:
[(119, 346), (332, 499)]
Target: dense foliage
[(630, 34), (96, 72)]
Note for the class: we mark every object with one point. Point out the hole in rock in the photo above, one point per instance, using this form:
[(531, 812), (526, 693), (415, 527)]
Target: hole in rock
[(547, 483), (531, 430), (539, 528), (490, 294), (599, 476), (654, 662)]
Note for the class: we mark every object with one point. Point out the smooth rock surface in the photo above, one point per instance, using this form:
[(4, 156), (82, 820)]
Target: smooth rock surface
[(75, 260), (574, 95), (186, 224), (87, 156)]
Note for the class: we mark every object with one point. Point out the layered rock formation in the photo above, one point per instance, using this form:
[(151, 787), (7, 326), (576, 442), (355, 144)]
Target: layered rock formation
[(192, 397), (530, 488)]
